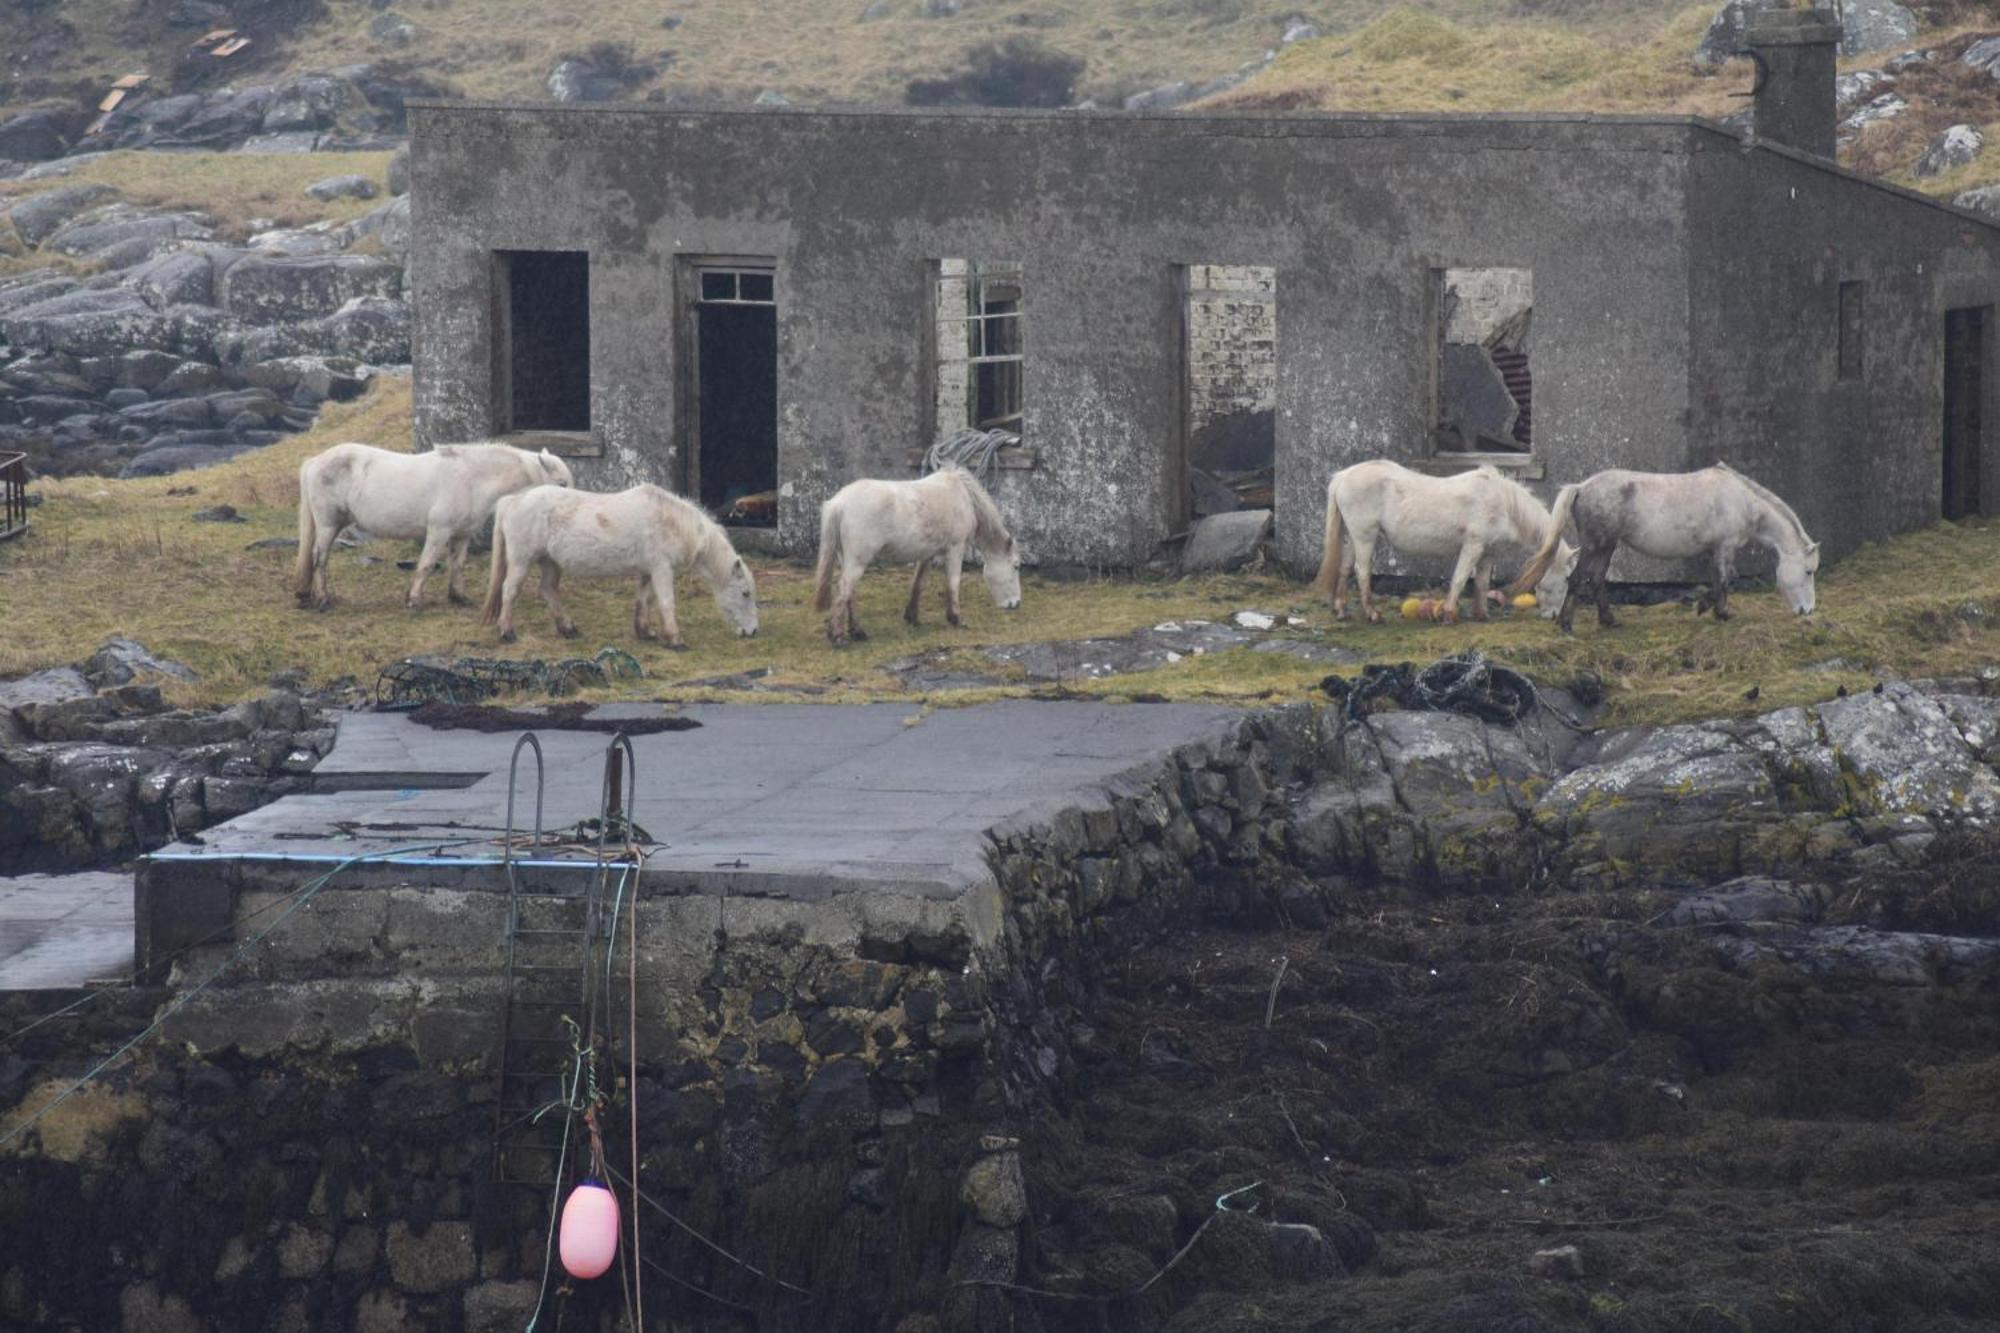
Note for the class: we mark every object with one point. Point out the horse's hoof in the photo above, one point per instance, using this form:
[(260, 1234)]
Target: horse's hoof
[(568, 631), (952, 619), (508, 637), (910, 619), (458, 599), (1374, 617), (859, 635), (323, 604)]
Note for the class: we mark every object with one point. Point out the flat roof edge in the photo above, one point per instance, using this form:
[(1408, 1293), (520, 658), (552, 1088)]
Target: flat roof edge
[(1058, 115)]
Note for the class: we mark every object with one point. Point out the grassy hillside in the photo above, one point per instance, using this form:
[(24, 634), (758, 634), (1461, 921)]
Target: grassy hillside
[(809, 49)]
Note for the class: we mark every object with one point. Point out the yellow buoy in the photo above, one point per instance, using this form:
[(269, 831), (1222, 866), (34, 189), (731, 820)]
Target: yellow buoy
[(1411, 608), (1525, 602)]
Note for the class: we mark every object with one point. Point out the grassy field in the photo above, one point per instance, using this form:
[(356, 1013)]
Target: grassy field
[(231, 187), (124, 557)]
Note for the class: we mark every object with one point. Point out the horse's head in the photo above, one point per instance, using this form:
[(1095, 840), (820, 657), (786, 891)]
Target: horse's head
[(554, 471), (1003, 574), (1795, 578), (736, 595), (1554, 586)]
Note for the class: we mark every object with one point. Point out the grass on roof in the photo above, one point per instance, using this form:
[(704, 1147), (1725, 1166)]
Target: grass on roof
[(108, 557)]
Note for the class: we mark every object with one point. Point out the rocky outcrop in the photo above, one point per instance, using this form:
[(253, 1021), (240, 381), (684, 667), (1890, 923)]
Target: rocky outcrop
[(95, 768), (1951, 149), (134, 369), (1866, 25), (1854, 783)]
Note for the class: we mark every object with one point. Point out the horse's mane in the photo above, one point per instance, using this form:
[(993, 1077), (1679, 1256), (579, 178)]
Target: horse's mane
[(992, 532), (1526, 510), (1770, 497), (707, 530)]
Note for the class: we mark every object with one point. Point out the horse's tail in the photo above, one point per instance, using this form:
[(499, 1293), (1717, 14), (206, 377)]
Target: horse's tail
[(302, 568), (496, 577), (829, 556), (1552, 543), (1329, 562)]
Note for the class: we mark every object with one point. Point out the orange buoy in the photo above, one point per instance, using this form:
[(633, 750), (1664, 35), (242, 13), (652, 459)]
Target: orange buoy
[(1412, 608), (589, 1230)]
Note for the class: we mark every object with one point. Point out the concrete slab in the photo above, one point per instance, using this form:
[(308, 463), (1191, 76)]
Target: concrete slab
[(801, 801), (58, 932)]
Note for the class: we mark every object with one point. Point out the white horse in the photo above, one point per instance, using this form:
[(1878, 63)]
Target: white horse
[(1674, 515), (1469, 513), (646, 531), (940, 514), (444, 496)]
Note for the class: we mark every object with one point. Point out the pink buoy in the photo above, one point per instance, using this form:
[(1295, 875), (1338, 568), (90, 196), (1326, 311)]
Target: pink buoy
[(589, 1230)]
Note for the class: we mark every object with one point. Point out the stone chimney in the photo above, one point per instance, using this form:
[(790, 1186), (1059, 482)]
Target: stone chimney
[(1795, 51)]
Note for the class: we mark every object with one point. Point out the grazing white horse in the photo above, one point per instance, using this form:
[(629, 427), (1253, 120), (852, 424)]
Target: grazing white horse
[(941, 514), (444, 496), (1674, 515), (647, 531), (1469, 513)]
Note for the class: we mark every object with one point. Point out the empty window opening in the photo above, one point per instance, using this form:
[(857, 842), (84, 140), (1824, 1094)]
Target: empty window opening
[(544, 347), (979, 347), (1230, 319), (734, 460), (1965, 337), (1853, 328), (1485, 393)]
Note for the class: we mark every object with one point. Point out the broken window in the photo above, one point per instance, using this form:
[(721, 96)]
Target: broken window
[(544, 340), (1485, 394), (979, 343), (1231, 323), (1852, 328)]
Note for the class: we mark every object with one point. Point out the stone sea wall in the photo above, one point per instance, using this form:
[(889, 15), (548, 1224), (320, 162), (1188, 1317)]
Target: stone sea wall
[(833, 1092)]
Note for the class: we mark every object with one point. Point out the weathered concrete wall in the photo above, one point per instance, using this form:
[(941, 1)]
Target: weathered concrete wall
[(1774, 236), (1353, 214)]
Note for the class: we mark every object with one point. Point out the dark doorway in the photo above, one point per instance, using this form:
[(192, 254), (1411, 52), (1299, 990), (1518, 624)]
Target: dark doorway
[(1964, 399), (546, 342), (735, 460)]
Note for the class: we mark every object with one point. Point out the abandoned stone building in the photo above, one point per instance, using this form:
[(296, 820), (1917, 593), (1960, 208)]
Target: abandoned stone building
[(1181, 313)]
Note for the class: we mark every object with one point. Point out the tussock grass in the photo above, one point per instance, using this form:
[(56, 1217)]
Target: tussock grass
[(1410, 59), (231, 187), (124, 557)]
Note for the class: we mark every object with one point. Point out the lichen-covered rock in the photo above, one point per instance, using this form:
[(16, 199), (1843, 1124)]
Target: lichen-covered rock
[(1952, 148), (261, 289), (38, 216), (1866, 25), (995, 1190), (1909, 756)]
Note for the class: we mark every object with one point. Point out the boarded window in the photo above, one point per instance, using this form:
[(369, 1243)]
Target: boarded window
[(979, 346), (1231, 323), (1485, 391), (544, 347), (1853, 328)]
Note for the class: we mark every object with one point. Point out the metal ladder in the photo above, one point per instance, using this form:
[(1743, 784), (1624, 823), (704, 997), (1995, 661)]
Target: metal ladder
[(556, 939)]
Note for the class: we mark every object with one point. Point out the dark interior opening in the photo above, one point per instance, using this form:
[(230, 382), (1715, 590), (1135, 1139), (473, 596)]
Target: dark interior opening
[(1964, 395), (548, 327), (737, 405)]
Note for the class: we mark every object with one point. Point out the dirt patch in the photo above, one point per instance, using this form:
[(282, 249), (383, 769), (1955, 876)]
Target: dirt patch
[(573, 716), (1444, 1087)]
